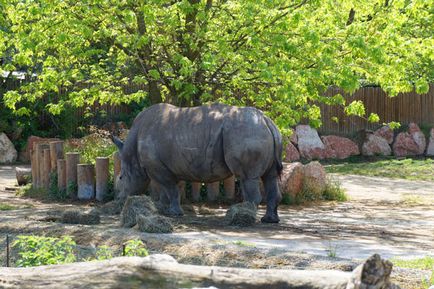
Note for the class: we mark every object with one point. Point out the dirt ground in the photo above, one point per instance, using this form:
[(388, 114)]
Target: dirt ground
[(394, 218)]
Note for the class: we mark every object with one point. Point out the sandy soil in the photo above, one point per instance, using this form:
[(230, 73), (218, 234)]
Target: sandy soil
[(394, 218)]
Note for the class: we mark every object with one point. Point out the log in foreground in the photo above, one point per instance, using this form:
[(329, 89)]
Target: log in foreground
[(163, 272)]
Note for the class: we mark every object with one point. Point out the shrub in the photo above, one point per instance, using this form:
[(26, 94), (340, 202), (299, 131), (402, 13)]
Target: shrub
[(135, 248), (37, 250), (104, 252)]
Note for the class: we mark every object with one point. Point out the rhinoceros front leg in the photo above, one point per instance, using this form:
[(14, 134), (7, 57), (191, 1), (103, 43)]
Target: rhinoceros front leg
[(273, 198)]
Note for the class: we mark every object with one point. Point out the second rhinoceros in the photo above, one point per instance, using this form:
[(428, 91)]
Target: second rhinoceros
[(167, 144)]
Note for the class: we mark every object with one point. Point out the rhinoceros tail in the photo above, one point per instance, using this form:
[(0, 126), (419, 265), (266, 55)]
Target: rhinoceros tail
[(277, 138)]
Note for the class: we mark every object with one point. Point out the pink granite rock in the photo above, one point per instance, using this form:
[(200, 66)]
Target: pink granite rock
[(385, 132), (375, 145), (339, 147)]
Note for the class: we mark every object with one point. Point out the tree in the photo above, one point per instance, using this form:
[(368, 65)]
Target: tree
[(278, 55)]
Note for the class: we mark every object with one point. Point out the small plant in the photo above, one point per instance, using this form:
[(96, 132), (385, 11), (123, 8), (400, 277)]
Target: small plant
[(104, 252), (38, 250), (71, 187), (244, 243), (334, 192), (332, 250), (31, 192), (54, 193), (7, 207), (135, 248), (425, 263)]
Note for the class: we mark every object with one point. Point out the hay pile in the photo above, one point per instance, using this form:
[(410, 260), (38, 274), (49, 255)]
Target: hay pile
[(242, 214), (134, 206), (154, 224), (78, 217)]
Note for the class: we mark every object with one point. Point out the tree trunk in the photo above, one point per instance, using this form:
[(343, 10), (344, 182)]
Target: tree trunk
[(39, 164), (102, 178), (85, 181), (34, 164)]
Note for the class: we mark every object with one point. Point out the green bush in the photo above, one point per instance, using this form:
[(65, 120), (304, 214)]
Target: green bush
[(135, 248), (37, 250), (104, 252)]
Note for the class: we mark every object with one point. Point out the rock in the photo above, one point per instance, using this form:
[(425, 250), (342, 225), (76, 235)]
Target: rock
[(242, 214), (339, 147), (310, 145), (375, 145), (385, 132), (430, 149), (78, 217), (8, 153), (136, 205), (24, 175), (291, 180), (315, 178), (291, 153), (154, 224), (418, 137), (293, 138)]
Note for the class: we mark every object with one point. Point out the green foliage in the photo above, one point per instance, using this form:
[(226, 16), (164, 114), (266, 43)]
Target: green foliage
[(135, 248), (279, 56), (7, 207), (244, 244), (410, 169), (71, 187), (424, 263), (104, 252), (54, 192), (36, 250), (31, 192), (332, 192)]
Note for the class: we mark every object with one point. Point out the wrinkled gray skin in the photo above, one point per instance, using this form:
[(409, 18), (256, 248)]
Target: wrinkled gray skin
[(167, 144)]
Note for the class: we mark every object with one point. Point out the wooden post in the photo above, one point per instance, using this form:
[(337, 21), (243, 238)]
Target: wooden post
[(56, 153), (195, 191), (85, 181), (117, 167), (102, 178), (212, 191), (229, 188), (72, 160), (61, 175), (39, 163), (181, 187), (46, 168), (33, 164)]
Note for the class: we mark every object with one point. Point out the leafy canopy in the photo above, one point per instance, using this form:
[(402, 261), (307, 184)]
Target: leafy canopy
[(279, 55)]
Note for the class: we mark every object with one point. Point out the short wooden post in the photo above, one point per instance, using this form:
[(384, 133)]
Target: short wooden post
[(212, 191), (85, 181), (61, 175), (195, 191), (39, 164), (229, 188), (56, 153), (102, 177), (72, 160), (46, 168), (116, 167), (33, 164), (181, 187)]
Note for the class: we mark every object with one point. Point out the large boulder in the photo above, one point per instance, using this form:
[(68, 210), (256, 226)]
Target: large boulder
[(291, 153), (375, 145), (293, 138), (340, 147), (136, 205), (410, 143), (430, 149), (385, 132), (241, 214), (315, 178), (8, 153), (310, 145), (291, 180)]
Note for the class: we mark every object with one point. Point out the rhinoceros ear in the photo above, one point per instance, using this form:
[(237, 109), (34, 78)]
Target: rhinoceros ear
[(117, 142)]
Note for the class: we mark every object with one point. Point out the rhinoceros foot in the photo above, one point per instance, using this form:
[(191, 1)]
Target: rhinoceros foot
[(270, 218)]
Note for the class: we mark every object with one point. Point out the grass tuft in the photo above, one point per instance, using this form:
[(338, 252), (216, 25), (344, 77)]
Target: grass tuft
[(7, 207)]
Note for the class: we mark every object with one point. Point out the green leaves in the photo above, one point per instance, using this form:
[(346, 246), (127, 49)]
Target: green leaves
[(279, 56)]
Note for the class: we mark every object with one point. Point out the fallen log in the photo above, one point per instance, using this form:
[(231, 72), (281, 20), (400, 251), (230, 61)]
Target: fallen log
[(162, 271)]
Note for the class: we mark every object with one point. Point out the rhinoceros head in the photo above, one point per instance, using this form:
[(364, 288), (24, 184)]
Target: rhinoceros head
[(132, 179)]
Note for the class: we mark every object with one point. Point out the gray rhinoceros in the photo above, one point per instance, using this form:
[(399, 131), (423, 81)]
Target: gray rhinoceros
[(167, 144)]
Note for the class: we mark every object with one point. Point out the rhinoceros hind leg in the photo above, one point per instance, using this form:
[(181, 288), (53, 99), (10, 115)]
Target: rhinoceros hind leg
[(250, 190), (273, 198)]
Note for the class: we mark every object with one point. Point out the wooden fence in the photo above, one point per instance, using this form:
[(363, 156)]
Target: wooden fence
[(403, 108)]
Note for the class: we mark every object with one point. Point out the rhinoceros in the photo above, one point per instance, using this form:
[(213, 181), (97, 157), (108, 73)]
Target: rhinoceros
[(209, 143)]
